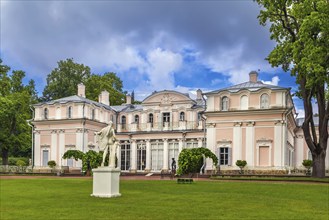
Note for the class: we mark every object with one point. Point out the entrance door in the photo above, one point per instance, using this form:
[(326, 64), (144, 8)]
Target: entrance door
[(264, 158)]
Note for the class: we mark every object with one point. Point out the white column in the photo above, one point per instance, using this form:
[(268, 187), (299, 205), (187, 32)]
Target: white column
[(211, 143), (78, 145), (37, 149), (299, 150), (133, 160), (148, 155), (278, 135), (165, 154), (61, 146), (211, 138), (250, 144), (54, 147), (180, 145), (237, 143)]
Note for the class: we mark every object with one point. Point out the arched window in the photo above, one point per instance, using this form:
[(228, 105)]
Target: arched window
[(182, 116), (244, 102), (123, 122), (45, 113), (151, 119), (69, 112), (137, 119), (264, 101), (224, 103)]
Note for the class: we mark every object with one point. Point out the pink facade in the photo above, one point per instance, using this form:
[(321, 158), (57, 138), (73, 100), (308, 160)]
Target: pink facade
[(251, 121)]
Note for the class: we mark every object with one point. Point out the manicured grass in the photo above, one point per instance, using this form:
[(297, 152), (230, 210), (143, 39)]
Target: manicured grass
[(69, 198)]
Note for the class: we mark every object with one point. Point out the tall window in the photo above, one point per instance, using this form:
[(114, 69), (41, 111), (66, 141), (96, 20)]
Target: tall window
[(141, 156), (137, 120), (244, 102), (172, 152), (182, 116), (225, 156), (166, 117), (199, 116), (45, 156), (191, 144), (69, 112), (125, 156), (151, 119), (264, 101), (156, 156), (45, 113), (224, 103), (123, 122)]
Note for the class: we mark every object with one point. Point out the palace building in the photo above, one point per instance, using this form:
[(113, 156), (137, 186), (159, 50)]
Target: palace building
[(251, 121)]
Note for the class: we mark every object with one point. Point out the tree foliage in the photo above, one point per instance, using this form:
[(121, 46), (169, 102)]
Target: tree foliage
[(301, 30), (191, 160), (109, 82), (15, 100), (90, 159), (64, 79)]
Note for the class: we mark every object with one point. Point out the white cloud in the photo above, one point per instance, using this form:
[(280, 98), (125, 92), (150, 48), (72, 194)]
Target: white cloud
[(162, 65), (275, 81)]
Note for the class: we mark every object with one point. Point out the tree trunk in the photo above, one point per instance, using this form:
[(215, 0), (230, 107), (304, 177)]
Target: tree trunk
[(4, 153), (319, 164)]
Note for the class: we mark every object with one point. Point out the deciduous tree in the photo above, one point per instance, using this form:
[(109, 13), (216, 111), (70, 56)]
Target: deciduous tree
[(64, 79), (108, 81), (15, 100), (301, 30)]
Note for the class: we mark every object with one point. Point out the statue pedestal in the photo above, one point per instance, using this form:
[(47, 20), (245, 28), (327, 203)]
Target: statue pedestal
[(106, 182)]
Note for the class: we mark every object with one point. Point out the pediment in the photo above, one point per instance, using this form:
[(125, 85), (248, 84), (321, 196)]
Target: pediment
[(167, 98)]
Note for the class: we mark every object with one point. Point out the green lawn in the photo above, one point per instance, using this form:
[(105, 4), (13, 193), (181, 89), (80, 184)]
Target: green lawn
[(68, 198)]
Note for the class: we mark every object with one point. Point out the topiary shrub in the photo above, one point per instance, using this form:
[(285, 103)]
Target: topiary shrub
[(51, 164), (308, 164), (241, 164), (191, 160)]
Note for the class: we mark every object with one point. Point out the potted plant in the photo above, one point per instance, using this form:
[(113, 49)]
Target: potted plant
[(51, 164), (308, 164), (241, 164)]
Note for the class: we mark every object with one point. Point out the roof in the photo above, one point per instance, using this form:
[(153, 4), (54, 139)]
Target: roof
[(75, 99), (251, 86)]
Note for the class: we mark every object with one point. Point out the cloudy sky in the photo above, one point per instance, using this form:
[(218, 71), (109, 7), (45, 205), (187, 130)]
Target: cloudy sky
[(151, 45)]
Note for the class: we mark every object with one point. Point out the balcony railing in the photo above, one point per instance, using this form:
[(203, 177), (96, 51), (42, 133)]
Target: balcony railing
[(163, 126)]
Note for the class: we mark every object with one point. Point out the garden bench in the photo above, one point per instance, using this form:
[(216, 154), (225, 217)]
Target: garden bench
[(184, 180)]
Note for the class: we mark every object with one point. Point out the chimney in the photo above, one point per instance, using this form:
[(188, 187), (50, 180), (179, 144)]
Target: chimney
[(81, 90), (199, 94), (253, 76), (128, 99), (104, 97)]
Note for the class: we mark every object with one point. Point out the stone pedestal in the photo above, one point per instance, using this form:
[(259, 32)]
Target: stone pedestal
[(106, 182)]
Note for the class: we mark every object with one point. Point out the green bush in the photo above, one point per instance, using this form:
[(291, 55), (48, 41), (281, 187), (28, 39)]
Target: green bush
[(20, 163), (12, 161), (191, 160), (51, 163), (307, 163), (241, 163)]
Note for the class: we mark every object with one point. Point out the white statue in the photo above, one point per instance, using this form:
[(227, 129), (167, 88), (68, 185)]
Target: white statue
[(108, 142)]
